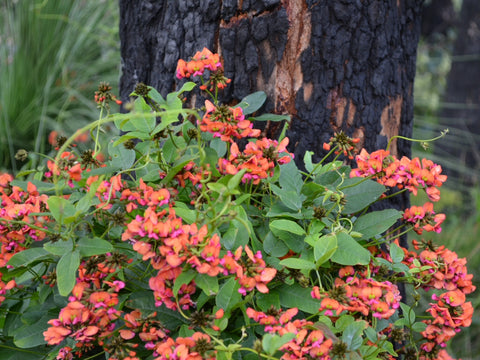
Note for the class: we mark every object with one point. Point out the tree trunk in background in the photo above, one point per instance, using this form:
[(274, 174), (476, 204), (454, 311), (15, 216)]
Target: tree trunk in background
[(462, 101), (333, 65), (438, 16)]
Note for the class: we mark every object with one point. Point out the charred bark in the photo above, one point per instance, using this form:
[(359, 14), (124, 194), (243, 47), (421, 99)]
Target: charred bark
[(333, 65)]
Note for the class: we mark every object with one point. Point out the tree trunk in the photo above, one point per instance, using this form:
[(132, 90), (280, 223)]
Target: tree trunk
[(333, 65), (462, 101)]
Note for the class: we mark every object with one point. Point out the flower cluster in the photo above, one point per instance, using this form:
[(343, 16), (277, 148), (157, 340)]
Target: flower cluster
[(308, 343), (355, 292), (252, 273), (343, 144), (449, 312), (404, 173), (258, 159), (20, 223), (441, 269), (201, 61), (226, 122), (104, 95), (424, 218), (162, 238), (196, 347), (91, 311)]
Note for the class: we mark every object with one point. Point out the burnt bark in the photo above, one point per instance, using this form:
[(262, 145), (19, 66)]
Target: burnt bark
[(333, 65), (461, 110)]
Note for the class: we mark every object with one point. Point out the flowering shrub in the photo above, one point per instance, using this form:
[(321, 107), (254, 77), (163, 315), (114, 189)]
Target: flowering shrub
[(184, 244)]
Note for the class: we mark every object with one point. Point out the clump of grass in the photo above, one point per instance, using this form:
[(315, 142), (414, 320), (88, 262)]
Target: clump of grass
[(52, 56)]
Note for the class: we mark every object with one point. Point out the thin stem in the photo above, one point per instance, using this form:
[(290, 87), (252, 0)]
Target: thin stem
[(309, 175), (442, 134)]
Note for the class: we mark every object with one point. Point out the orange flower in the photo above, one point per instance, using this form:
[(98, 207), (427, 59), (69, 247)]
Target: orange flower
[(454, 298), (75, 172), (54, 335)]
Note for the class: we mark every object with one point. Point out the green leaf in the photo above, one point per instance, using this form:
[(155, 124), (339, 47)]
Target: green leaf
[(59, 247), (361, 194), (131, 135), (149, 173), (218, 188), (271, 343), (93, 246), (219, 146), (27, 257), (188, 215), (144, 300), (375, 223), (352, 334), (236, 179), (31, 335), (89, 199), (324, 248), (188, 86), (228, 296), (167, 316), (419, 327), (388, 346), (290, 232), (292, 296), (301, 264), (349, 252), (307, 160), (6, 353), (62, 210), (343, 321), (396, 252), (122, 158), (122, 122), (172, 146), (266, 301), (371, 334), (143, 124), (291, 199), (290, 178), (67, 272), (173, 107), (209, 284), (155, 95), (281, 226), (408, 313), (183, 279), (279, 209), (252, 102), (271, 117), (236, 236), (274, 246), (312, 190)]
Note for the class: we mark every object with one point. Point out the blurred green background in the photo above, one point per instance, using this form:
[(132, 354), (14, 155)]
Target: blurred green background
[(53, 54)]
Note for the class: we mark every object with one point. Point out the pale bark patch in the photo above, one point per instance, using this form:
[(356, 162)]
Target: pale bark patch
[(289, 76), (390, 121)]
